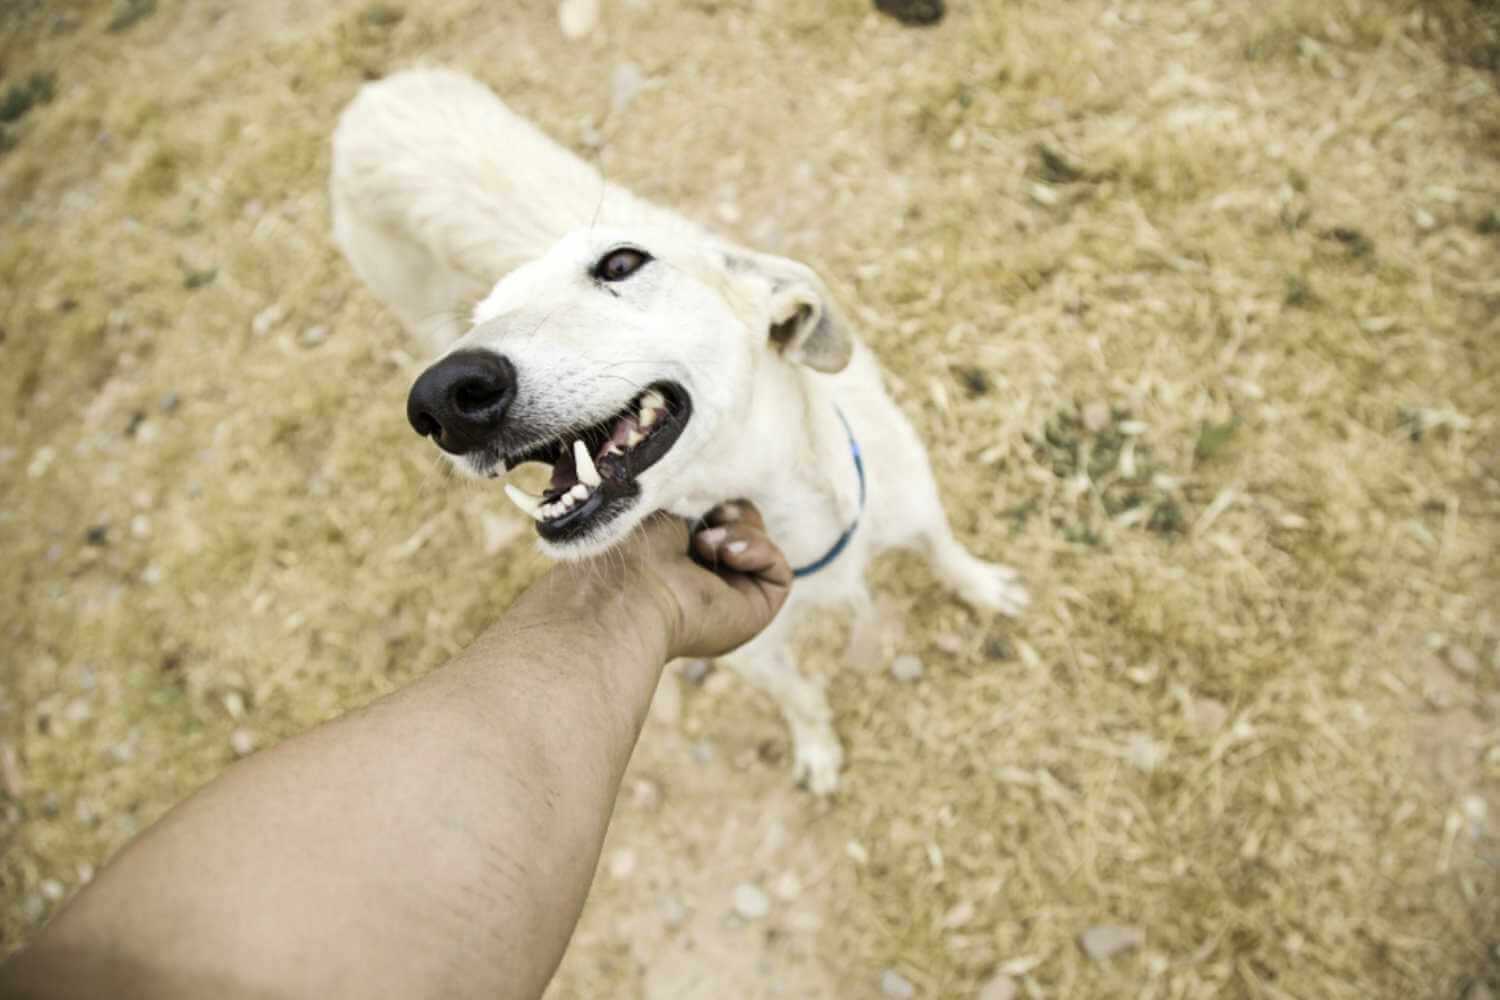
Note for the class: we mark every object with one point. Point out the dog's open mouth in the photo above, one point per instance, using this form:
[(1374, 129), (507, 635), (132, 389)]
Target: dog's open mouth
[(595, 468)]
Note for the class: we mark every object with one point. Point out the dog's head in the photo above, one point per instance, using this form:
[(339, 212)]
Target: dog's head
[(626, 361)]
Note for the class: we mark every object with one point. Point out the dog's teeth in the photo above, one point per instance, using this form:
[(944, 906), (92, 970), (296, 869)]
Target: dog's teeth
[(584, 462), (647, 417), (579, 492), (530, 505), (610, 448), (633, 438), (567, 502), (653, 400)]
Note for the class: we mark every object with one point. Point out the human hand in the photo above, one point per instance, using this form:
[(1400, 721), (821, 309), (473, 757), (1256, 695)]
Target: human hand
[(717, 589)]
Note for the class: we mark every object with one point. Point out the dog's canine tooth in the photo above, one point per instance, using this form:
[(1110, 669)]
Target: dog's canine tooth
[(634, 438), (647, 416), (580, 491), (653, 400), (530, 505), (587, 474)]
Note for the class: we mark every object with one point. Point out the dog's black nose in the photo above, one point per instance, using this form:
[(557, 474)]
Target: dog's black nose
[(460, 402)]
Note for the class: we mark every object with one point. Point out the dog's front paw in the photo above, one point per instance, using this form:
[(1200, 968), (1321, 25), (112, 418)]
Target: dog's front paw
[(817, 760), (996, 588)]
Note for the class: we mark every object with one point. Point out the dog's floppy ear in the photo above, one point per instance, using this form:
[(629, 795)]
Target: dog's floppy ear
[(804, 325)]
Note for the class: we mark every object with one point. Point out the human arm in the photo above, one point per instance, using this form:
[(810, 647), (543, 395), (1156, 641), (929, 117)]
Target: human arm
[(439, 842)]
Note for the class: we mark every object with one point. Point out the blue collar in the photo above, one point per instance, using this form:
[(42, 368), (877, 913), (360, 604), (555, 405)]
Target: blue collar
[(843, 541)]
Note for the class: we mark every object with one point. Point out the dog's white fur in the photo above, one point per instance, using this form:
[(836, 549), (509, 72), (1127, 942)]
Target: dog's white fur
[(443, 197)]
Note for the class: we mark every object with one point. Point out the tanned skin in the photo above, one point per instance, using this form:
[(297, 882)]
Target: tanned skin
[(440, 842)]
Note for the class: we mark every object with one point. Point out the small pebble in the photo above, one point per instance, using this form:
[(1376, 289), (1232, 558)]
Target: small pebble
[(949, 642), (1208, 716), (645, 794), (999, 988), (499, 531), (894, 984), (625, 85), (34, 908), (1096, 417), (1145, 753), (750, 902), (267, 318), (1108, 940), (1043, 194), (85, 873), (959, 916), (696, 671), (140, 526), (673, 913), (702, 751), (857, 852), (53, 889), (787, 887), (314, 335), (242, 741), (168, 402), (577, 17), (1462, 661), (152, 575), (906, 669), (1477, 811), (41, 462), (622, 863)]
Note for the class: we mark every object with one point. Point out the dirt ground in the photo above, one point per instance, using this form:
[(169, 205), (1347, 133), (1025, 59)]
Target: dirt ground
[(1197, 304)]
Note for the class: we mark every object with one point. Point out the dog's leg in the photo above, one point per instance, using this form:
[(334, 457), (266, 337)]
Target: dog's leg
[(988, 585), (816, 753), (917, 517)]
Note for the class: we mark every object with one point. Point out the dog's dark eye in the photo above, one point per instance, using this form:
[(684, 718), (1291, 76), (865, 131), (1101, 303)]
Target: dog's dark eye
[(617, 265)]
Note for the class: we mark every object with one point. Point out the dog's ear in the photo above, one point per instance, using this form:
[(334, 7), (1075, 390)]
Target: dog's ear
[(804, 324)]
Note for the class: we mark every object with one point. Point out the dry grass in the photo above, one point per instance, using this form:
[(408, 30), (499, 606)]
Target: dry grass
[(1197, 304)]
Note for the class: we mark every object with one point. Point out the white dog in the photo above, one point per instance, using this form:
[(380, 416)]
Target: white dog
[(652, 364)]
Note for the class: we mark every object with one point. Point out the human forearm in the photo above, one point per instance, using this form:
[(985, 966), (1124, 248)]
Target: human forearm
[(441, 841), (482, 828)]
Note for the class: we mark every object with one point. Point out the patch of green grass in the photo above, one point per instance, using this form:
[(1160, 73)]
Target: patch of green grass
[(1020, 514), (160, 175), (1167, 518), (1212, 438), (1357, 243), (1082, 534), (198, 279), (381, 15), (128, 13), (1056, 169), (1071, 449), (1299, 293), (20, 98), (976, 381), (1489, 225)]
